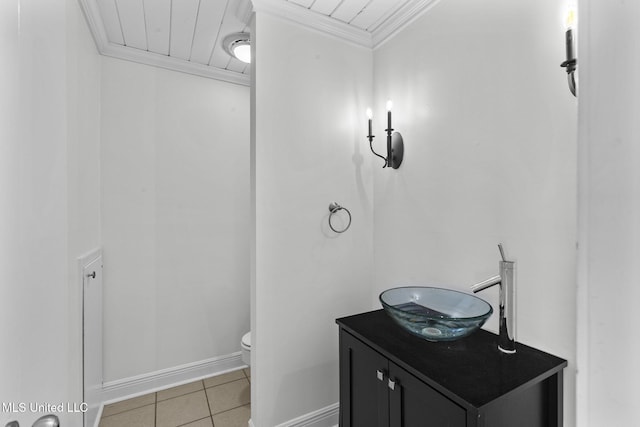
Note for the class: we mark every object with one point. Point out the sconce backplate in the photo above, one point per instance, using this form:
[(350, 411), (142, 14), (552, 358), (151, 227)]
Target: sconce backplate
[(397, 150)]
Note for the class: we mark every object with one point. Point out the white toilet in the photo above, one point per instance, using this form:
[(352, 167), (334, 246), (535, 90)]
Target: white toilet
[(245, 344)]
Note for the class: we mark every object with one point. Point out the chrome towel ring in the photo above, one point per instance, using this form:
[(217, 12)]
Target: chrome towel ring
[(334, 208)]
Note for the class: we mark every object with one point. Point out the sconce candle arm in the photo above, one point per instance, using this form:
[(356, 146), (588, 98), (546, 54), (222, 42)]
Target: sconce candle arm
[(571, 63), (395, 145), (373, 151), (572, 82)]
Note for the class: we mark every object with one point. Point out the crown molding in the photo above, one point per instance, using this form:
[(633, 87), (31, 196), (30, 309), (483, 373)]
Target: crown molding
[(106, 48), (396, 20), (384, 29), (317, 21), (92, 15), (174, 64)]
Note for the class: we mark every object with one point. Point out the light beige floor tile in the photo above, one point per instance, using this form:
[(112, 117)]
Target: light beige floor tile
[(140, 417), (129, 404), (228, 396), (247, 372), (201, 423), (182, 410), (238, 417), (224, 378), (179, 390)]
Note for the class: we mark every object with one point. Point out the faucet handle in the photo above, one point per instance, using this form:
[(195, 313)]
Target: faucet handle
[(502, 252)]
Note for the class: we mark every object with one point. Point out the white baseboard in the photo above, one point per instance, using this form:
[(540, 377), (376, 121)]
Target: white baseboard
[(126, 388), (96, 420), (325, 417)]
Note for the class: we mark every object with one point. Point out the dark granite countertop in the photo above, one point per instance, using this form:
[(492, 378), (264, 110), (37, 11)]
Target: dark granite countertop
[(471, 371)]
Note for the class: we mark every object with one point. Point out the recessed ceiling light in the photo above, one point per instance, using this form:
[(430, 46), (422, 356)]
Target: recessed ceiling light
[(238, 45)]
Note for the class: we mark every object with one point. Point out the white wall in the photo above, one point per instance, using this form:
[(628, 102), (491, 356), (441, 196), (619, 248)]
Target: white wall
[(46, 125), (609, 272), (309, 149), (83, 176), (175, 215), (490, 156)]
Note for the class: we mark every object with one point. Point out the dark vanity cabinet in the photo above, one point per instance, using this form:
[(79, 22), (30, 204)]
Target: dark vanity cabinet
[(389, 377)]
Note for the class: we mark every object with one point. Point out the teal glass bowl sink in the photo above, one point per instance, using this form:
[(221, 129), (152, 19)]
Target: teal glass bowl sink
[(435, 314)]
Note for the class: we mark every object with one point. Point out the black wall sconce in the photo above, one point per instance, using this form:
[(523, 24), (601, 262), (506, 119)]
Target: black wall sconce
[(572, 62), (395, 144)]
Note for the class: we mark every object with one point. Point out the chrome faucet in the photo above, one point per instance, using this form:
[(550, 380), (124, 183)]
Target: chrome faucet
[(507, 281)]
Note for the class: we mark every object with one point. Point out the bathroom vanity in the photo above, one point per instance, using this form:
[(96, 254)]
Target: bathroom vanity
[(389, 377)]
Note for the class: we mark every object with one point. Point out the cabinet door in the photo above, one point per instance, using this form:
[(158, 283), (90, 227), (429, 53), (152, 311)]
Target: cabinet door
[(363, 385), (415, 404)]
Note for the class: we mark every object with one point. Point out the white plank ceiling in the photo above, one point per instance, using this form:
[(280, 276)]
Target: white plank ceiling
[(187, 35)]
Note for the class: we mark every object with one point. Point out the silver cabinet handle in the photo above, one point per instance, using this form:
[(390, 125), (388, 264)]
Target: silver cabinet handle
[(380, 375), (392, 384)]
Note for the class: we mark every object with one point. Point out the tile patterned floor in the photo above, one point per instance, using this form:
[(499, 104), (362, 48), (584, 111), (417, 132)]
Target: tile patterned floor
[(221, 401)]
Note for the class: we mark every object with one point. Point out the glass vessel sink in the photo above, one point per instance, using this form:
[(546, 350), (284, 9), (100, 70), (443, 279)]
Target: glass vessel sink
[(435, 314)]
